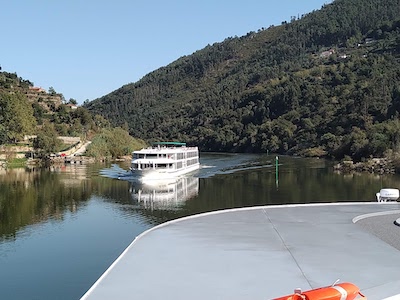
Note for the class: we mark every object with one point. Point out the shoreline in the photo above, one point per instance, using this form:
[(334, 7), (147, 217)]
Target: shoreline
[(373, 166)]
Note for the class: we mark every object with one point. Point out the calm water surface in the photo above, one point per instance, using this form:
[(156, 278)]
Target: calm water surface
[(61, 228)]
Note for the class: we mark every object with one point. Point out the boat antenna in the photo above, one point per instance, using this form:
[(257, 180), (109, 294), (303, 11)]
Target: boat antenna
[(337, 280)]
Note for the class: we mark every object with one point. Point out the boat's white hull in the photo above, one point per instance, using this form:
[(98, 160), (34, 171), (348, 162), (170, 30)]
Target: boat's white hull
[(156, 174), (164, 160)]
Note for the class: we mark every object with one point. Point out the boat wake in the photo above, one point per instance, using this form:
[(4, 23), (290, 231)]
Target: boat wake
[(216, 164), (172, 193), (116, 172), (210, 165)]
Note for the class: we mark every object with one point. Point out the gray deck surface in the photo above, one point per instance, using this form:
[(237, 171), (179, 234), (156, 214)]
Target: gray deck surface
[(261, 253)]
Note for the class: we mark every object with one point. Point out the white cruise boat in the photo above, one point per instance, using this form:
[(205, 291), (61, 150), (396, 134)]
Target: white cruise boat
[(164, 160)]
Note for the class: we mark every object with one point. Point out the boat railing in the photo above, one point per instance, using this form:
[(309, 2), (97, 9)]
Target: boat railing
[(173, 148)]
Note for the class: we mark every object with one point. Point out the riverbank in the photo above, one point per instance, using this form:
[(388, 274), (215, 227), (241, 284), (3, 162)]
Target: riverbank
[(72, 155), (374, 165)]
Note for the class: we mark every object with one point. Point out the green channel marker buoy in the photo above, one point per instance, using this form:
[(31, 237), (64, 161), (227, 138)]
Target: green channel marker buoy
[(276, 171)]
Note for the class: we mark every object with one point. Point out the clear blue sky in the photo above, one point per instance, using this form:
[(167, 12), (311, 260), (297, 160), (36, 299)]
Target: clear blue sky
[(85, 49)]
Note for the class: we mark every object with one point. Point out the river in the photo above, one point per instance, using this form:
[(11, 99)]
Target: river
[(60, 228)]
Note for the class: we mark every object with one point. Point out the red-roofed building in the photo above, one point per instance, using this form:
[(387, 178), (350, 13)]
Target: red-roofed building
[(37, 89)]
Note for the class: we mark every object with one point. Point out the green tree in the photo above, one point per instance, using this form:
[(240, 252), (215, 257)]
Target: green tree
[(52, 91), (38, 112), (3, 134), (114, 142), (73, 101), (47, 140), (83, 115), (16, 116)]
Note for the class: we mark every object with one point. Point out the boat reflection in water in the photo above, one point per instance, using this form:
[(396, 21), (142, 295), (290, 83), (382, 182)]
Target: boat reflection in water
[(164, 194)]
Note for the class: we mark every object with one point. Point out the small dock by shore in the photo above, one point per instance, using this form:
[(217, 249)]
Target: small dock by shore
[(79, 159)]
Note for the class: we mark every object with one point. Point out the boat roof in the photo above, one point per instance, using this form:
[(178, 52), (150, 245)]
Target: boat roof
[(261, 253), (169, 144)]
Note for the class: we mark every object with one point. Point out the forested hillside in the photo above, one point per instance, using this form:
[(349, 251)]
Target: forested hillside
[(32, 117), (27, 110), (325, 84)]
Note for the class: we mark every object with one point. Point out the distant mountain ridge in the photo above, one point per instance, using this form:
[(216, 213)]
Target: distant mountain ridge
[(324, 85)]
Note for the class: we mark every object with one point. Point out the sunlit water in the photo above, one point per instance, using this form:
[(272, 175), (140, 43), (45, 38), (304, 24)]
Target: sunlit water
[(61, 228)]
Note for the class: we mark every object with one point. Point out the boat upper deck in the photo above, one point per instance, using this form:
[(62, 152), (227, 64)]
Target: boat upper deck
[(166, 150), (261, 253)]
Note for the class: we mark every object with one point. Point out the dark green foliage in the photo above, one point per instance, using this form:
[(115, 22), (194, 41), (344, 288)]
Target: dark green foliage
[(21, 110), (16, 117), (326, 84), (46, 141), (72, 101), (113, 142), (11, 80)]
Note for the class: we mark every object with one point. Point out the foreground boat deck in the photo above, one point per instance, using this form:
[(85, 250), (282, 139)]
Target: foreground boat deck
[(261, 253)]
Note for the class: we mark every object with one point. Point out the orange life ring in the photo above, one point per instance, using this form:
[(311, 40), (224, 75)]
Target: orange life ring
[(341, 291)]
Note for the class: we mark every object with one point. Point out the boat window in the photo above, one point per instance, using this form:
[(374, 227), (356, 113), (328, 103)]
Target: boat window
[(141, 156), (192, 161), (161, 166), (192, 154), (151, 155)]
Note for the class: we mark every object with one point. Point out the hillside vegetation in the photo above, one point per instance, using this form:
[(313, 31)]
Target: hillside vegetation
[(326, 84), (31, 118)]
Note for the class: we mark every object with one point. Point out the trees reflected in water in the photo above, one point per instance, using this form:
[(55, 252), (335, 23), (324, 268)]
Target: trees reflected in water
[(31, 196)]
